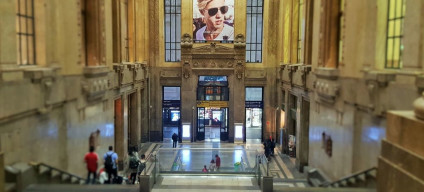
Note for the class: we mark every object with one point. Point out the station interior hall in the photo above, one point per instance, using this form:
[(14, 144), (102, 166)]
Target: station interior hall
[(212, 95)]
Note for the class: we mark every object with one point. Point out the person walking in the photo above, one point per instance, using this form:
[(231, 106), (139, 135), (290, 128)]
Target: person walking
[(111, 159), (218, 162), (142, 165), (272, 147), (174, 140), (91, 159), (212, 166), (133, 166)]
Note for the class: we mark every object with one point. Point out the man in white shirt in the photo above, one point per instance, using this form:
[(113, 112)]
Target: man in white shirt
[(213, 12)]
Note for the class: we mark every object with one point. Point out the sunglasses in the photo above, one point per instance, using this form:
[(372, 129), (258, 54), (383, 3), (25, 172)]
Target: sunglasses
[(214, 11)]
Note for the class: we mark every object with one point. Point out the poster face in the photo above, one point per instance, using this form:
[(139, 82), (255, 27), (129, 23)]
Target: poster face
[(213, 20)]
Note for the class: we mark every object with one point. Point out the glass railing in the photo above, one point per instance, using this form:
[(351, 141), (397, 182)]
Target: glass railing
[(193, 160)]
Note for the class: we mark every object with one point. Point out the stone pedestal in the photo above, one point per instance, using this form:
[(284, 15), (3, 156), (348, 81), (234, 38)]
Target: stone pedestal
[(401, 164)]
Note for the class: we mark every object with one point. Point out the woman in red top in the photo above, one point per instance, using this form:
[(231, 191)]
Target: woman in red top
[(91, 159), (218, 162)]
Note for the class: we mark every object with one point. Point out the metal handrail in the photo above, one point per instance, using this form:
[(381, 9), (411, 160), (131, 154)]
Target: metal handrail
[(263, 160)]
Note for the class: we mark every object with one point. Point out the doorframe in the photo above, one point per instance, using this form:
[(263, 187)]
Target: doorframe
[(119, 129), (262, 116), (180, 122), (303, 157)]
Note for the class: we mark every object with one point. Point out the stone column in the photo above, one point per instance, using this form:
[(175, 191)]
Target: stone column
[(237, 105), (8, 45), (188, 102)]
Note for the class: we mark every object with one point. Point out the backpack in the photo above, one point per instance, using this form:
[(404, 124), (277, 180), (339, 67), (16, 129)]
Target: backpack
[(141, 167), (134, 163), (109, 162)]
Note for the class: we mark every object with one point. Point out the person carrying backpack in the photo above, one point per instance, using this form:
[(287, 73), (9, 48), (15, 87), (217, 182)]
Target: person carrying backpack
[(142, 165), (133, 165), (111, 160)]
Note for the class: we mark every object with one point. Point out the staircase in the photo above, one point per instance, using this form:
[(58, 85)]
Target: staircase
[(20, 175), (362, 179)]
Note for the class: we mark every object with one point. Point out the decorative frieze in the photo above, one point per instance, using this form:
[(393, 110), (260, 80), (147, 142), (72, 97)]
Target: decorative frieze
[(255, 74), (119, 69), (36, 74), (96, 82), (326, 85), (286, 73), (381, 78), (170, 74), (375, 82), (215, 56)]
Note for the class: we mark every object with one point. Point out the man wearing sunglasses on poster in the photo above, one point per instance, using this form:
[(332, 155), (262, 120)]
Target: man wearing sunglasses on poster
[(213, 12)]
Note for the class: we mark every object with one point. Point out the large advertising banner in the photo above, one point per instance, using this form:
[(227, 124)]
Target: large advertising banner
[(213, 20)]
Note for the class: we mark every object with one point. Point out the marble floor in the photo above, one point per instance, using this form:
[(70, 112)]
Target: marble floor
[(194, 155)]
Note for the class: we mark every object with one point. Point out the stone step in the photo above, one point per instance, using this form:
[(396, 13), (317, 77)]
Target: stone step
[(320, 189), (88, 188)]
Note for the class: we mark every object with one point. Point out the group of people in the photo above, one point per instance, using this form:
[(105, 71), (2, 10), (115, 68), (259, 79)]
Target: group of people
[(109, 173), (110, 169), (136, 165), (269, 146), (214, 165)]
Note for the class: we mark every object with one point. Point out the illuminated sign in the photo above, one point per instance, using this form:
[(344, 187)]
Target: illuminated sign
[(212, 103), (186, 131), (239, 131)]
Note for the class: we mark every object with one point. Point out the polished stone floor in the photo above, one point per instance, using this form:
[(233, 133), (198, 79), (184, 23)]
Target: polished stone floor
[(194, 155)]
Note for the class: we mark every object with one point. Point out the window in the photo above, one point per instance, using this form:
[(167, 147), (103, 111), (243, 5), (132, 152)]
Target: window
[(171, 93), (300, 25), (394, 44), (172, 30), (329, 33), (254, 23), (341, 30), (254, 94), (25, 32)]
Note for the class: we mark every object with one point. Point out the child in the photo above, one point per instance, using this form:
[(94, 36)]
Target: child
[(204, 170), (212, 166)]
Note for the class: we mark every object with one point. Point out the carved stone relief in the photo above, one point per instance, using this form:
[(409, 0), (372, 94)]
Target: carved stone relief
[(186, 69), (215, 56), (326, 85)]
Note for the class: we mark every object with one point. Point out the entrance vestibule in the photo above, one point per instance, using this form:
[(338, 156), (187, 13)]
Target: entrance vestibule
[(212, 123)]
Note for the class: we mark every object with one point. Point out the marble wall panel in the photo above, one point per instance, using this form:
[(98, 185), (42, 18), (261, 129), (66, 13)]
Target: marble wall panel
[(368, 133), (340, 127), (59, 138)]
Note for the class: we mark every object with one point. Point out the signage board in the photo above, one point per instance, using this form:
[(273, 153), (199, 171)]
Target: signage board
[(217, 104)]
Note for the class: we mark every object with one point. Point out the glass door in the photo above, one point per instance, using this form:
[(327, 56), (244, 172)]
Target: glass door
[(254, 125), (224, 124), (201, 123)]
